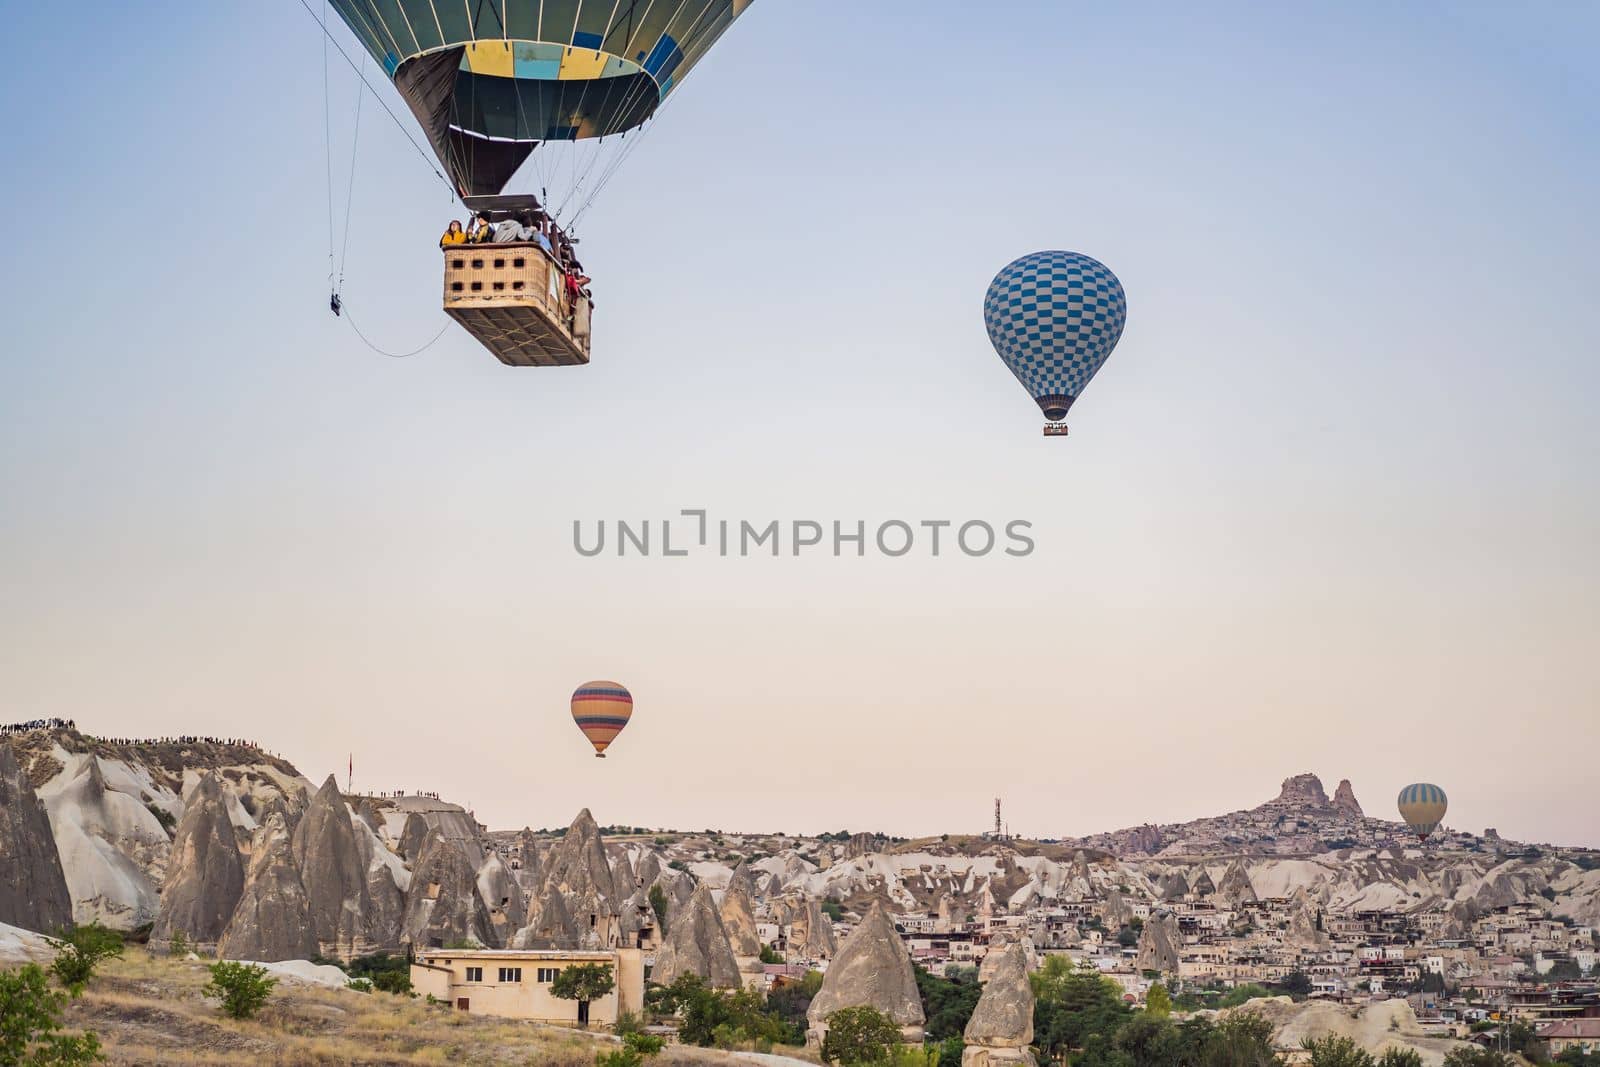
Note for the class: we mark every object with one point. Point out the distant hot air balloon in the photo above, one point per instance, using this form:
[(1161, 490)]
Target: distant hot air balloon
[(1054, 318), (601, 710), (1422, 806)]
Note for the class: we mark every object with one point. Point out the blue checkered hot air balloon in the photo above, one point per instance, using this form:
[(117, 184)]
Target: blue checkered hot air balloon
[(1054, 318)]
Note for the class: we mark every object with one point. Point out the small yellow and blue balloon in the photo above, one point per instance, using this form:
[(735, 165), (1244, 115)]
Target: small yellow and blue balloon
[(1054, 318), (601, 710), (1422, 806)]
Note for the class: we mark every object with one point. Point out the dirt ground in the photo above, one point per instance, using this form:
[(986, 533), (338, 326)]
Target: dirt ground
[(149, 1011)]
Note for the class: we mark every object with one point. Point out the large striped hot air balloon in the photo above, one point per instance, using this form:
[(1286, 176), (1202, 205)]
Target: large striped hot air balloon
[(601, 710), (1422, 806)]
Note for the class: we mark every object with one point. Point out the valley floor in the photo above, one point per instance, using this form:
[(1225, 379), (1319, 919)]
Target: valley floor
[(148, 1010)]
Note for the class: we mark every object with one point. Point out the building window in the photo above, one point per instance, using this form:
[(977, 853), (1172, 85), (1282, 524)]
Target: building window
[(474, 974), (548, 974), (511, 974)]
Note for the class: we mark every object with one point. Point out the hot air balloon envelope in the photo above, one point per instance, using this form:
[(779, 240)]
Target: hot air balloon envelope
[(489, 82), (601, 710), (1422, 806), (1054, 318)]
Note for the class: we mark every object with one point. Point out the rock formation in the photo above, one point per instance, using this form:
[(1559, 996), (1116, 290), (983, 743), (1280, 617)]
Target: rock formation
[(1174, 886), (503, 896), (1235, 887), (698, 944), (1159, 943), (273, 919), (33, 889), (411, 836), (1116, 912), (578, 869), (369, 815), (861, 845), (1001, 1027), (528, 862), (443, 906), (1344, 798), (205, 877), (1303, 930), (113, 849), (333, 873), (810, 932), (739, 917), (871, 970), (551, 925), (1304, 791), (1202, 885)]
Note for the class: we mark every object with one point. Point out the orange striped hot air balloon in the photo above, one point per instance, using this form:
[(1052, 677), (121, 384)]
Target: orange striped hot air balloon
[(601, 710)]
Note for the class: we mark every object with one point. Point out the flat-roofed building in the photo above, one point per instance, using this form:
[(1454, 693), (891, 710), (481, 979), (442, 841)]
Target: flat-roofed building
[(515, 983)]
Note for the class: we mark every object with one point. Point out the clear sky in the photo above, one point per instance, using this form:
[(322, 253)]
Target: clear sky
[(1333, 505)]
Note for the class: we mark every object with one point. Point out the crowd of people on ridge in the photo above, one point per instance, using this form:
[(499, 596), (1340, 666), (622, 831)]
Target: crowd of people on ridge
[(37, 724)]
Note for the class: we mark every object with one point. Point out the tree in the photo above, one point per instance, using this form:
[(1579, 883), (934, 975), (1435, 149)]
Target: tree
[(396, 982), (1126, 937), (770, 955), (1243, 1039), (947, 1003), (242, 987), (1158, 1001), (1334, 1051), (584, 983), (858, 1036), (1400, 1057), (30, 1024), (1476, 1057), (78, 954), (1297, 984), (658, 904), (1073, 1005), (1149, 1041), (833, 910)]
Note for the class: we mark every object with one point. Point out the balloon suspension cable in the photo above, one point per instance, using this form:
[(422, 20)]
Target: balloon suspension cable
[(360, 73), (383, 351), (350, 193)]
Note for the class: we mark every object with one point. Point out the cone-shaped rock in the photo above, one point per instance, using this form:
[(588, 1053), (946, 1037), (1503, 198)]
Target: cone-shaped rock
[(551, 927), (113, 849), (204, 874), (1001, 1027), (443, 906), (1202, 886), (411, 835), (503, 896), (1174, 886), (810, 932), (1158, 943), (580, 871), (273, 919), (1235, 887), (387, 879), (333, 872), (528, 862), (33, 889), (368, 814), (698, 944), (739, 918), (873, 970), (1344, 798), (1117, 911)]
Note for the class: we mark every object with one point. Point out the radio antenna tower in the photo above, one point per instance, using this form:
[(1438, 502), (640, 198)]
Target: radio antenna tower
[(997, 833)]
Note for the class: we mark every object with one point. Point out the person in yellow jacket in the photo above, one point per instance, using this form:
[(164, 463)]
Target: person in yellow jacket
[(454, 235)]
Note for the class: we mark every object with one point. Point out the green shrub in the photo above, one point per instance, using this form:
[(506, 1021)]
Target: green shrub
[(859, 1036), (1336, 1051), (242, 987), (1400, 1057), (78, 954), (642, 1043), (360, 985), (396, 982), (179, 945), (30, 1024)]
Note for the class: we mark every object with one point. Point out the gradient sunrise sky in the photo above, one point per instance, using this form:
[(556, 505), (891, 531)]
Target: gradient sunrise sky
[(1332, 506)]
